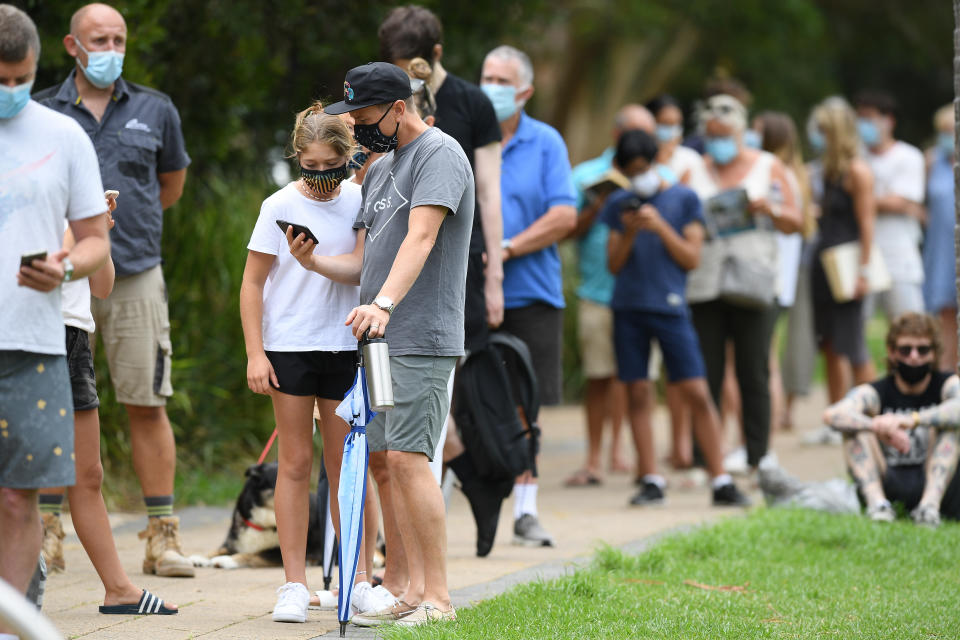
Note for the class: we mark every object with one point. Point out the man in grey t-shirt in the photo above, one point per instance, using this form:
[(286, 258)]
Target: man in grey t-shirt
[(416, 219)]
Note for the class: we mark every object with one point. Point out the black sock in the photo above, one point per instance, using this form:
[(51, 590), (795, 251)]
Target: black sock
[(51, 503), (159, 506)]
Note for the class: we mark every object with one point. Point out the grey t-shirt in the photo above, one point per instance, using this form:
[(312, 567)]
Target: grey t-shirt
[(431, 170)]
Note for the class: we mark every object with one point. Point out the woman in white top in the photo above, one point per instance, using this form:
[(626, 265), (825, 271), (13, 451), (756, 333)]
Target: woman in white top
[(718, 314), (685, 163), (299, 352)]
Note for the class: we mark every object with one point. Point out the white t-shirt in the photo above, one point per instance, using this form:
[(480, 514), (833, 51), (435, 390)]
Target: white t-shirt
[(899, 170), (789, 249), (48, 171), (685, 159), (302, 310), (75, 303)]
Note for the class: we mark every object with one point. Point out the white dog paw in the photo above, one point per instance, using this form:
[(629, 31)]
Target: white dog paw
[(198, 560), (224, 562)]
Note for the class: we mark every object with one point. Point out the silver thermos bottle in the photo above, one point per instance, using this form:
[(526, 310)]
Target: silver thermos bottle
[(376, 360)]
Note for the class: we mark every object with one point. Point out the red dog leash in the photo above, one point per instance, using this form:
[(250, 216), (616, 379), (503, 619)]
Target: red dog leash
[(266, 449)]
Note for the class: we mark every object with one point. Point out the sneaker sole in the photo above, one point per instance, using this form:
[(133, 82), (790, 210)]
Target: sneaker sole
[(652, 503), (525, 542), (289, 617)]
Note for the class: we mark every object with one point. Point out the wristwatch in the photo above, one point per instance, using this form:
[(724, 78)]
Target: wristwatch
[(67, 269), (385, 303), (507, 245)]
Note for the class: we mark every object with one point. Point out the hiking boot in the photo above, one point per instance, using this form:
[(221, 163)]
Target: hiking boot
[(528, 532), (398, 611), (292, 601), (427, 613), (163, 555), (729, 496), (53, 543), (926, 515), (650, 494), (485, 502), (881, 513)]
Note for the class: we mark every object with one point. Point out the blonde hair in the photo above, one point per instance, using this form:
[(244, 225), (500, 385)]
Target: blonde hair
[(423, 99), (313, 125), (943, 115), (780, 139), (838, 124)]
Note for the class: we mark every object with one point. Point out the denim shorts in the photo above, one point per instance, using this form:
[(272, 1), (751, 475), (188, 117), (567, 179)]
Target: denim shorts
[(83, 381), (420, 406)]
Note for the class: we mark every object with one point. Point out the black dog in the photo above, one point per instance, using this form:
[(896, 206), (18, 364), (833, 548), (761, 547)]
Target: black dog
[(252, 539)]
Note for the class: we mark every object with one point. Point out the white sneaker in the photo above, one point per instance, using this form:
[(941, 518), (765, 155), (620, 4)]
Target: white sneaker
[(380, 598), (735, 462), (328, 601), (882, 512), (769, 461), (360, 598), (292, 601)]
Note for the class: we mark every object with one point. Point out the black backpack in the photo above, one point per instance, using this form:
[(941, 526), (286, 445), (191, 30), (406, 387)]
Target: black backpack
[(493, 388)]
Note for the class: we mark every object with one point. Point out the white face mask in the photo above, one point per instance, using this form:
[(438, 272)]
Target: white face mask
[(647, 183)]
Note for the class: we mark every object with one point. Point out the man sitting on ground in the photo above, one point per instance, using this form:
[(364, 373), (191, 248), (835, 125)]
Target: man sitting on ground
[(900, 432)]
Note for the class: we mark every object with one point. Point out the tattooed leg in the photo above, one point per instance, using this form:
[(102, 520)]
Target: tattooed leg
[(866, 464), (941, 465)]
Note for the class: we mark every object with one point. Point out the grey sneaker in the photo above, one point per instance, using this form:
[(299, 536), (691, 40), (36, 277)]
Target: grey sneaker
[(823, 435), (425, 614), (390, 615), (881, 513), (926, 515), (528, 532)]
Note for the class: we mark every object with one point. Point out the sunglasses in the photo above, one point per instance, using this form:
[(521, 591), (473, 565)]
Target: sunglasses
[(904, 350)]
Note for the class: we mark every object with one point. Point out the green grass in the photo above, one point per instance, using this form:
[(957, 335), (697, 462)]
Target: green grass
[(796, 574)]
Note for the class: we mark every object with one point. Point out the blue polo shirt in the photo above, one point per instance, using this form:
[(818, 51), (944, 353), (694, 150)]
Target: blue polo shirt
[(534, 176), (138, 137), (651, 280)]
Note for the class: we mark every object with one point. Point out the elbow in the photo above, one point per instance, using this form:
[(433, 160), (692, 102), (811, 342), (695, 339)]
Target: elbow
[(568, 222), (101, 290)]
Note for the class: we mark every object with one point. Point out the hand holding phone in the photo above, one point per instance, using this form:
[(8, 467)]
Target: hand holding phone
[(297, 230), (26, 260)]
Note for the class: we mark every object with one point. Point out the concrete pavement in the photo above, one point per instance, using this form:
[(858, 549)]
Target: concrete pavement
[(237, 604)]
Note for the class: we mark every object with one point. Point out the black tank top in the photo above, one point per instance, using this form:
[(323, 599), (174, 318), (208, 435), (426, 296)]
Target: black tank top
[(838, 222), (892, 400)]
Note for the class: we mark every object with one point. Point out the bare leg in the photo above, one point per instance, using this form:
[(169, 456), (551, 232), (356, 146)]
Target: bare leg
[(948, 334), (941, 465), (777, 411), (865, 461), (395, 575), (681, 454), (618, 409), (90, 513), (154, 449), (732, 406), (837, 384), (639, 395), (706, 422), (422, 504), (453, 446), (598, 399), (292, 496), (20, 536)]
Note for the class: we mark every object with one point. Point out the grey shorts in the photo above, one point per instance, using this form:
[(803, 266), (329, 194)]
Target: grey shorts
[(36, 421), (420, 406)]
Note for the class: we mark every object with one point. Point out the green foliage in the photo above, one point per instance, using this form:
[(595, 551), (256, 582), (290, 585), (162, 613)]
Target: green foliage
[(773, 574)]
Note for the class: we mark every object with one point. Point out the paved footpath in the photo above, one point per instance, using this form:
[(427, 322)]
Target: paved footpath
[(219, 604)]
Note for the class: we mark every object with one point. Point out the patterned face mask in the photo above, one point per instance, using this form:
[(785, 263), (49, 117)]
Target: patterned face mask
[(324, 181)]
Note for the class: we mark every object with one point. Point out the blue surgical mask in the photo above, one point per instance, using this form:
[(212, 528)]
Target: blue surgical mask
[(504, 99), (945, 142), (103, 67), (817, 142), (668, 132), (14, 99), (752, 139), (647, 183), (722, 150), (869, 132)]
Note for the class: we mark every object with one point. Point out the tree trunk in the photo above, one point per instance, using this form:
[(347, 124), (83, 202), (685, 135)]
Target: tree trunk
[(956, 142)]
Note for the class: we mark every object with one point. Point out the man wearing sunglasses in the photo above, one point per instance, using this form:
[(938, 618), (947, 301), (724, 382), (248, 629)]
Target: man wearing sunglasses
[(900, 432)]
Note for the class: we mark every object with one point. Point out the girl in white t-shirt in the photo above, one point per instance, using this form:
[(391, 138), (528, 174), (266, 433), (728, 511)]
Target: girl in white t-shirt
[(298, 349)]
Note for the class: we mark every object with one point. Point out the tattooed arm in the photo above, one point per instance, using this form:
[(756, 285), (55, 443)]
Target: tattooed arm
[(855, 412), (945, 416)]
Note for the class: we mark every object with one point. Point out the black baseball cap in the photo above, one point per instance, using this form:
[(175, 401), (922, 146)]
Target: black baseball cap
[(370, 84)]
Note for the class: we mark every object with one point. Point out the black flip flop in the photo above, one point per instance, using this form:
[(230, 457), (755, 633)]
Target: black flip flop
[(149, 605)]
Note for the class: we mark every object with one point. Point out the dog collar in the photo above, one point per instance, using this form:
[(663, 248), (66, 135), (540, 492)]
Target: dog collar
[(252, 525)]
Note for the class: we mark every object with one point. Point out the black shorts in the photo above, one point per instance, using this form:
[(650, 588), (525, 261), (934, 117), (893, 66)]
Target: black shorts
[(324, 374), (83, 381), (540, 326), (475, 329), (904, 484)]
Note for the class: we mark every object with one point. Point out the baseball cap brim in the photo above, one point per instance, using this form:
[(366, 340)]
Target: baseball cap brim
[(343, 106)]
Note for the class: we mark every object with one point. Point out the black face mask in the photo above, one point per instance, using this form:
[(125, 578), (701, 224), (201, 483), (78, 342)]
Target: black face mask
[(358, 160), (912, 374), (370, 136), (325, 181)]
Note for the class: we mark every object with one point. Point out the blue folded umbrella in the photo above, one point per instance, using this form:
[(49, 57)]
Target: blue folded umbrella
[(355, 410)]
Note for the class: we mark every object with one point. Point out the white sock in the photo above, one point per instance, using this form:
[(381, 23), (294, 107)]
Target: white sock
[(8, 636), (721, 480), (519, 494), (655, 479), (530, 500)]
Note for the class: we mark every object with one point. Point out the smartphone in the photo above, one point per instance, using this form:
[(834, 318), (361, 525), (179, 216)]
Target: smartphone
[(297, 230), (631, 204), (111, 193), (26, 260)]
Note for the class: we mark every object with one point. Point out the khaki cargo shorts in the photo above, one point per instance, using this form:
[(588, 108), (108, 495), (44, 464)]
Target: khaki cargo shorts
[(133, 327)]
